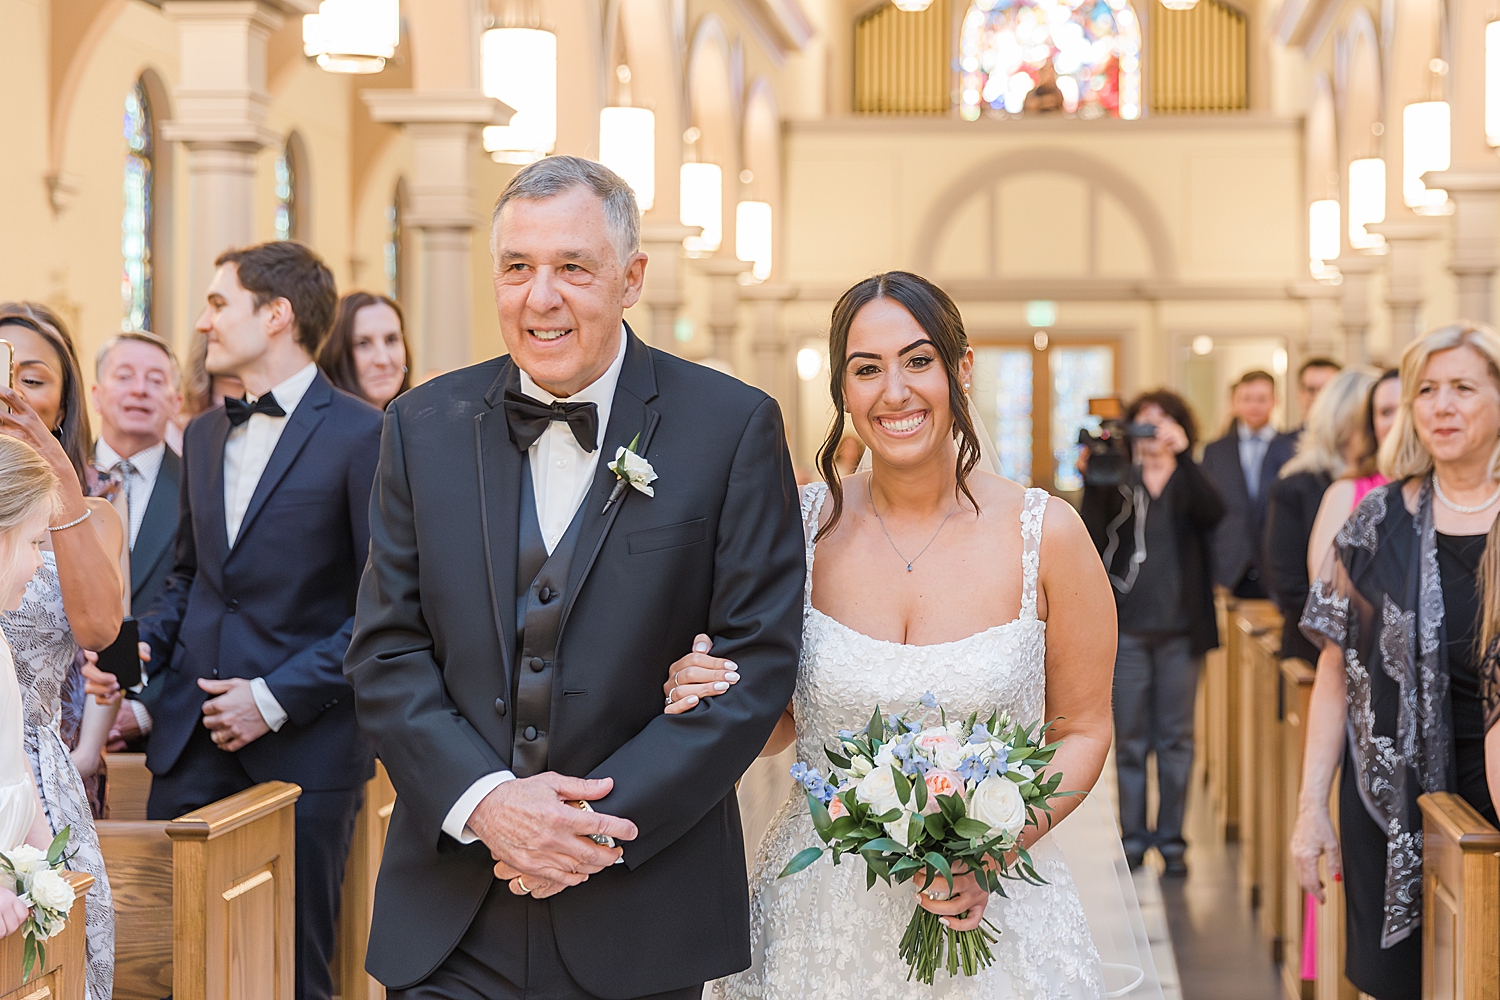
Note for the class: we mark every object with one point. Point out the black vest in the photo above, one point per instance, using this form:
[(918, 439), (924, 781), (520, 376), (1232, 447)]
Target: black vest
[(541, 595)]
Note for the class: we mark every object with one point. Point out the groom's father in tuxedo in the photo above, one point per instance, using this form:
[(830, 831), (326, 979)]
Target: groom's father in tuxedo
[(518, 617), (251, 630)]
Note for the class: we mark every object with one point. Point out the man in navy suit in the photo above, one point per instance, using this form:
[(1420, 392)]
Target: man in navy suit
[(1242, 465), (250, 633)]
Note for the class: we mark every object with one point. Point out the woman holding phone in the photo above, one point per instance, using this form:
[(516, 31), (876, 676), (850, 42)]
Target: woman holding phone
[(75, 601)]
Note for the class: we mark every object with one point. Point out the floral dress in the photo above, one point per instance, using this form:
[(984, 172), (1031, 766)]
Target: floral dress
[(43, 645)]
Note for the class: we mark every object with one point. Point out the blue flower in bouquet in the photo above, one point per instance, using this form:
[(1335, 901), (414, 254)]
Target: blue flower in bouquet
[(814, 782), (980, 735), (974, 769), (929, 700)]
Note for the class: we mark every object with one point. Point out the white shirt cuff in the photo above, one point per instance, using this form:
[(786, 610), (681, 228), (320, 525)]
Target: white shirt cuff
[(456, 823), (270, 708), (142, 716)]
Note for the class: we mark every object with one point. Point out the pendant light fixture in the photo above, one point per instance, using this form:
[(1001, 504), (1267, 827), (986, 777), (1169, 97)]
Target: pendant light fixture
[(701, 203), (752, 236), (627, 145), (519, 67), (1426, 147), (1366, 201), (352, 36)]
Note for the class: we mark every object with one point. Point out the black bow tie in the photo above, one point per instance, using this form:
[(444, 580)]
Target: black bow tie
[(239, 410), (528, 419)]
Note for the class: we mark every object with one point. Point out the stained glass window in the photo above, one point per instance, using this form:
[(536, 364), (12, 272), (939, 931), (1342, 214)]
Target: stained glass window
[(393, 237), (286, 195), (135, 225), (1078, 57), (1078, 374), (1003, 396)]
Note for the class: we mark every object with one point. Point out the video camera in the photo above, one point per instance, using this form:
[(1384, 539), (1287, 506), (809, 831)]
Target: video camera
[(1109, 451)]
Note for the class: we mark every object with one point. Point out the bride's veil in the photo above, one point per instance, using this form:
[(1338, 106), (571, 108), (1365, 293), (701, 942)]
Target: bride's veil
[(989, 458)]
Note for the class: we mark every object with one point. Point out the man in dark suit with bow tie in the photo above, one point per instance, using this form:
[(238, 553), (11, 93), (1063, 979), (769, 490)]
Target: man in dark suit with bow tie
[(249, 636), (522, 606)]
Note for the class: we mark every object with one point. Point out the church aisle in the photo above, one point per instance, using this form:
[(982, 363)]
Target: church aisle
[(1219, 951)]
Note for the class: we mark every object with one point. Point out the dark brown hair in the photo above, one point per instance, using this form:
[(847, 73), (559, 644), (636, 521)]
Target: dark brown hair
[(337, 356), (939, 318), (1317, 361), (1369, 451), (72, 429), (289, 270), (1255, 375), (1172, 405)]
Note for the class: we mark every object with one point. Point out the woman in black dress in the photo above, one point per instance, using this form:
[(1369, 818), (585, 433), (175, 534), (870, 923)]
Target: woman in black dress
[(1332, 445), (1398, 700)]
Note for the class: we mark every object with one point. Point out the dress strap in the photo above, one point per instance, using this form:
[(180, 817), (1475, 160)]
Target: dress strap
[(813, 495), (1032, 511)]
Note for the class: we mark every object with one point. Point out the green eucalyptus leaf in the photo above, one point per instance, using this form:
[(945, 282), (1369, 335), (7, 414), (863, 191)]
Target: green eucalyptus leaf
[(971, 828), (822, 822), (801, 861), (58, 846), (939, 864), (884, 845), (936, 825), (919, 786), (842, 827), (837, 760), (876, 729), (903, 785)]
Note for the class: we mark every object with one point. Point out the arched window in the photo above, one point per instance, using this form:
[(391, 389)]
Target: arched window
[(286, 194), (393, 238), (1019, 56), (136, 224)]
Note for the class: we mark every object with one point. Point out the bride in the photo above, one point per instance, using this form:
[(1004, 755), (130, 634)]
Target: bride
[(930, 574)]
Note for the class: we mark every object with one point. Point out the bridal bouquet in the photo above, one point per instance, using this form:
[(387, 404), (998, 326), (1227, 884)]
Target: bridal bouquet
[(932, 798), (34, 878)]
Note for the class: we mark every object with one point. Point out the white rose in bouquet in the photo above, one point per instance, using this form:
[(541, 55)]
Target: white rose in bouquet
[(878, 791), (49, 892), (26, 860), (885, 757), (859, 767), (997, 802), (951, 758)]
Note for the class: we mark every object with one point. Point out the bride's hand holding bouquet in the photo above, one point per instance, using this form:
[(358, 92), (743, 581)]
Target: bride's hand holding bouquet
[(943, 804)]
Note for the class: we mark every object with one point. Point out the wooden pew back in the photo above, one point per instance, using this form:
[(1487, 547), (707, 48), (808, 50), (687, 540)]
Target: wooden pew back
[(351, 981), (129, 785), (63, 976), (1460, 901), (1296, 694), (204, 903)]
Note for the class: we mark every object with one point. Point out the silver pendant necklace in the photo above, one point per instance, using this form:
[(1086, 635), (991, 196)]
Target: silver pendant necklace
[(1437, 488), (910, 562)]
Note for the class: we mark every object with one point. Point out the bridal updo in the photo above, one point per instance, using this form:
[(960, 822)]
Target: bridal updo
[(939, 318)]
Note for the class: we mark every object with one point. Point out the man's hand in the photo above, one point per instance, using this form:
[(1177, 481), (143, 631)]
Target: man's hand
[(126, 729), (233, 717), (539, 842)]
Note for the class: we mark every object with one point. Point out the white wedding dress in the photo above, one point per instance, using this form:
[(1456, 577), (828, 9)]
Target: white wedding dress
[(820, 935)]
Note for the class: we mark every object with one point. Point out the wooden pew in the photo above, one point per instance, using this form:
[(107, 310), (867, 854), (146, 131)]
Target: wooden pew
[(1331, 983), (351, 981), (128, 787), (63, 975), (1460, 901), (1257, 699), (1221, 718), (1296, 695), (204, 903), (1264, 774)]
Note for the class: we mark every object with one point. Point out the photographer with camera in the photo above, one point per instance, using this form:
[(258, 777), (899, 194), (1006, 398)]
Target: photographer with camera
[(1150, 521)]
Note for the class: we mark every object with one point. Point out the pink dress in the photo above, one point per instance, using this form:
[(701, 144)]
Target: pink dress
[(1365, 484)]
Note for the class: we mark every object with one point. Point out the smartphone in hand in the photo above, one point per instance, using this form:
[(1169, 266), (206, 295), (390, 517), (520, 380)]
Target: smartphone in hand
[(123, 656)]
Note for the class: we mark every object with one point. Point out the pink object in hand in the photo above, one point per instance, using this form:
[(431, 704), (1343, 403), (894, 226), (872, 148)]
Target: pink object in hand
[(1310, 936)]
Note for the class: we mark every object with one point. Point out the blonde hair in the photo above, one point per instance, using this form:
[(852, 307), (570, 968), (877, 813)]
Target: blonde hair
[(1335, 421), (1403, 455), (28, 486)]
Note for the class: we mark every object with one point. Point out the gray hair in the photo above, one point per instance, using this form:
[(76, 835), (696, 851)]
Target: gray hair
[(552, 175), (140, 336)]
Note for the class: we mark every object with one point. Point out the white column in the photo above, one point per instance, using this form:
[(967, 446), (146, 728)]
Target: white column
[(1354, 305), (662, 244), (723, 304), (1473, 181), (443, 127), (770, 366), (1407, 239), (221, 103)]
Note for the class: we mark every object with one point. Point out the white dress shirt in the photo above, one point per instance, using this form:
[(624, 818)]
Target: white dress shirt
[(247, 451), (138, 483), (561, 474)]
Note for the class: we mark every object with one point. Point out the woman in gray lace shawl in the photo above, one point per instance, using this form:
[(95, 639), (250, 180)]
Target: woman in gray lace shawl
[(1399, 696)]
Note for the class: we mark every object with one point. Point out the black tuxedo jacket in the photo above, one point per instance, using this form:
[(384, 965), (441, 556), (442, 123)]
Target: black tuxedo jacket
[(279, 604), (1239, 536), (717, 550), (151, 559)]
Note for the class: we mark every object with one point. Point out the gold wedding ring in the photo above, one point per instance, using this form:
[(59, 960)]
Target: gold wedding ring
[(521, 881)]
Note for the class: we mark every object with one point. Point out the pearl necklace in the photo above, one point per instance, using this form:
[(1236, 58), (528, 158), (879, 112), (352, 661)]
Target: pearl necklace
[(1437, 488)]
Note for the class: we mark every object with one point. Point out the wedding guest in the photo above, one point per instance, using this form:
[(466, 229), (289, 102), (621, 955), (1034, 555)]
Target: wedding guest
[(201, 391), (255, 638), (1364, 475), (366, 353), (1413, 709), (1312, 375), (75, 600), (1333, 443), (1154, 534), (136, 395), (1242, 465)]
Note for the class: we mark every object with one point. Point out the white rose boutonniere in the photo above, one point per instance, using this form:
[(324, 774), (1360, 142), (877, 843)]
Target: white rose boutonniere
[(631, 470)]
